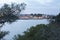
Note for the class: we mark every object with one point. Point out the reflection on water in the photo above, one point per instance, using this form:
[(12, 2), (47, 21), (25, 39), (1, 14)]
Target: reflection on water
[(20, 26)]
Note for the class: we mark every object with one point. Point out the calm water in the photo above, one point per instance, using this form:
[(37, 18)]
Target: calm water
[(20, 26)]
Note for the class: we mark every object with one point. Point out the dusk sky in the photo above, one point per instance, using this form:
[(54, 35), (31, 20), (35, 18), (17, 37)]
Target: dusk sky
[(51, 7)]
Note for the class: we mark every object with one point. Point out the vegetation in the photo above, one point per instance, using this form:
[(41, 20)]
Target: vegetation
[(9, 13), (50, 31), (36, 15)]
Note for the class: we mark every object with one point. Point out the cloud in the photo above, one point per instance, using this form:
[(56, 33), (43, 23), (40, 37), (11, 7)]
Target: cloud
[(44, 2), (11, 1)]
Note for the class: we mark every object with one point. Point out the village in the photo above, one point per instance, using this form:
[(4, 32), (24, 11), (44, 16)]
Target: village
[(35, 16)]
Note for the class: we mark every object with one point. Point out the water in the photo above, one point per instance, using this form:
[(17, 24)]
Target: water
[(20, 26)]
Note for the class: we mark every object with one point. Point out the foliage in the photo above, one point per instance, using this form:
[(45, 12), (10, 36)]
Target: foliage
[(50, 31), (9, 13), (2, 34), (36, 15), (57, 19)]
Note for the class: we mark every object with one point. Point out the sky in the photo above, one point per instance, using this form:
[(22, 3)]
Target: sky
[(51, 7)]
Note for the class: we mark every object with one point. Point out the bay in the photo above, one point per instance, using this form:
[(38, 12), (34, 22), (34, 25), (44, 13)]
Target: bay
[(20, 26)]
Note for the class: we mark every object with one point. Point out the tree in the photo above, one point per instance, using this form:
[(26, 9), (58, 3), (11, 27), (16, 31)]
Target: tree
[(57, 19), (9, 13)]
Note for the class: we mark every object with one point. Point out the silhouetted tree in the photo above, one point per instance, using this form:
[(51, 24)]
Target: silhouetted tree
[(9, 13)]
